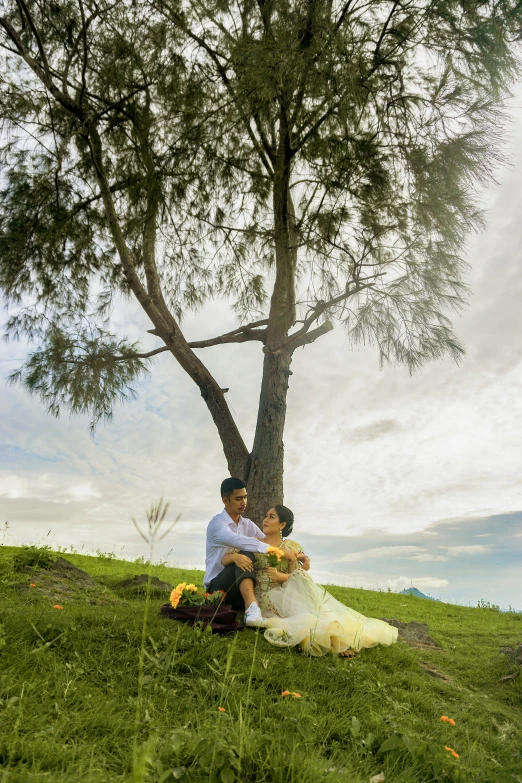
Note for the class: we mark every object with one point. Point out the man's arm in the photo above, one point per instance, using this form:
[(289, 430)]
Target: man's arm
[(219, 534), (254, 530)]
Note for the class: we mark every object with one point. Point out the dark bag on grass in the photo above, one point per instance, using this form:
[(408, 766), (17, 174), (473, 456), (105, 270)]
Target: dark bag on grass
[(222, 619)]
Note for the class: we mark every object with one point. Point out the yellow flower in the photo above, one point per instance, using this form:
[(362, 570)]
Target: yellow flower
[(221, 709), (192, 588), (297, 695), (274, 550)]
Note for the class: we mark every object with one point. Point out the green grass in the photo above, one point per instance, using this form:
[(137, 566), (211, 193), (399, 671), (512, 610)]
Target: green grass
[(73, 706)]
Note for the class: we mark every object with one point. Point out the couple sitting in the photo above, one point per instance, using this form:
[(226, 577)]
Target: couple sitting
[(282, 598)]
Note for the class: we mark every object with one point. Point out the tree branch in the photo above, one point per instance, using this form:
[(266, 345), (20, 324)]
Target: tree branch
[(128, 357), (324, 328), (300, 337), (243, 334), (259, 146)]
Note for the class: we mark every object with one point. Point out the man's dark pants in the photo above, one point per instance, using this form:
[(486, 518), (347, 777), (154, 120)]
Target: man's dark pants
[(229, 579)]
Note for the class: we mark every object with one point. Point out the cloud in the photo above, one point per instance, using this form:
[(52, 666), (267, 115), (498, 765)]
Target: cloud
[(473, 549), (382, 551), (373, 430)]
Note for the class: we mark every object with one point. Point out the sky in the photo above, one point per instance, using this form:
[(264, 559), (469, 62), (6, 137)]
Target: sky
[(395, 480)]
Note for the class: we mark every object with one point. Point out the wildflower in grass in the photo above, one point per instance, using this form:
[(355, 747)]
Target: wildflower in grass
[(57, 606), (221, 709), (296, 695), (285, 693), (445, 719), (453, 752), (32, 584), (192, 588)]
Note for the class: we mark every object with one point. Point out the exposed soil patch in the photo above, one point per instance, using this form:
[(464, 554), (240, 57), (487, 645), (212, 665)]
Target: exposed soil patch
[(136, 586), (434, 672), (413, 634), (62, 582), (515, 653), (142, 580)]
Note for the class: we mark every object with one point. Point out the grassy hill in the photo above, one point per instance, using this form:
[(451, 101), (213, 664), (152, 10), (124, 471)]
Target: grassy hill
[(99, 692)]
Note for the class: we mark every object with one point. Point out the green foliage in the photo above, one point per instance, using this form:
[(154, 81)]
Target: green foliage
[(33, 557), (70, 685), (342, 142), (87, 373)]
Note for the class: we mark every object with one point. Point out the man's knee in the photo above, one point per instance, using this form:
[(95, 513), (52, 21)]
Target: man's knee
[(250, 555)]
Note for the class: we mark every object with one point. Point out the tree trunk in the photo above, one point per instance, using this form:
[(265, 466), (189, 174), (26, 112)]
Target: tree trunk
[(265, 477)]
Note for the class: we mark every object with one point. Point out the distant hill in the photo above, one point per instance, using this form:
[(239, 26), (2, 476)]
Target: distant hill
[(417, 594)]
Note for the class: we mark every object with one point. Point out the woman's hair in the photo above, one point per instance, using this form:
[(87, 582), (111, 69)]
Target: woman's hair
[(285, 515)]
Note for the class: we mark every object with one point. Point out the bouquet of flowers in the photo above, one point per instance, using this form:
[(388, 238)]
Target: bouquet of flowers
[(189, 595), (273, 554)]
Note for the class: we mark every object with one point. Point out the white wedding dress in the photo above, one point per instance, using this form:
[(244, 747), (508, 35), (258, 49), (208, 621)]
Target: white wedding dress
[(301, 612)]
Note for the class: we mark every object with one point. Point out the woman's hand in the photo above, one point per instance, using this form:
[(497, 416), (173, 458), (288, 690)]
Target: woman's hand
[(289, 555), (276, 576), (304, 560)]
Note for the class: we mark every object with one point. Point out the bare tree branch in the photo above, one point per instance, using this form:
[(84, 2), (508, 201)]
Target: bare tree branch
[(297, 338), (305, 339), (243, 334)]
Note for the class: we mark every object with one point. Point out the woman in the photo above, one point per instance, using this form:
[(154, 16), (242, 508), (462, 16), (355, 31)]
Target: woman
[(297, 611)]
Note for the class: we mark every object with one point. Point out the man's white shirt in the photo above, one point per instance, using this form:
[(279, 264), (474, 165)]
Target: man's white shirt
[(222, 534)]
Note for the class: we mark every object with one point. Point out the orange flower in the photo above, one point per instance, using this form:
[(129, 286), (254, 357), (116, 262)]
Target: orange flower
[(453, 752), (221, 709), (451, 722), (444, 718), (297, 695), (57, 606), (285, 693), (32, 584)]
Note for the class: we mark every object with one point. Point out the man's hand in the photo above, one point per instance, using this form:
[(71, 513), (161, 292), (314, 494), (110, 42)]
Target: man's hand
[(243, 562), (304, 560), (276, 576)]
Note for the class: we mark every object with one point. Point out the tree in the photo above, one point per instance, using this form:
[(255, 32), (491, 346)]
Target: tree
[(174, 151)]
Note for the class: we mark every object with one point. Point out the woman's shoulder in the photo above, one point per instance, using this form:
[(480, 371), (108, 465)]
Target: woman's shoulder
[(289, 544)]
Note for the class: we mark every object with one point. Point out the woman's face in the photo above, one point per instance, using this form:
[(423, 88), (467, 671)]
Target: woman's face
[(271, 523)]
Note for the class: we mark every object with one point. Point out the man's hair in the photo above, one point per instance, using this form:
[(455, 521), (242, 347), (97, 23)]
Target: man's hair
[(230, 485), (287, 516)]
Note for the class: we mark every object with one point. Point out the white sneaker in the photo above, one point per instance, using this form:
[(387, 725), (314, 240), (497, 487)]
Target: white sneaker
[(253, 615)]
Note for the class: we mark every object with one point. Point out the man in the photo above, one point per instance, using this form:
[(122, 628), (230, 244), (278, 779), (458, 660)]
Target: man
[(231, 530)]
